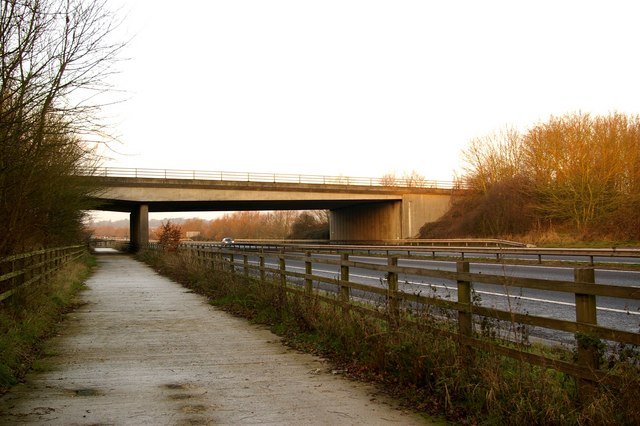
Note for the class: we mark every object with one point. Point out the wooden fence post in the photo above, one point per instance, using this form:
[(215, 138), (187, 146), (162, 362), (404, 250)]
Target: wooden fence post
[(45, 268), (263, 273), (282, 293), (245, 264), (588, 353), (344, 276), (42, 256), (308, 270), (283, 270), (214, 260), (392, 296), (27, 268), (465, 317)]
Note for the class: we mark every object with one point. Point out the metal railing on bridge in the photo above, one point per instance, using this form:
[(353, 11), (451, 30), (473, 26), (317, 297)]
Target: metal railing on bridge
[(412, 182)]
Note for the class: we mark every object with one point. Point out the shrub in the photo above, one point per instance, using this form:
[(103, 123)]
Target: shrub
[(169, 236)]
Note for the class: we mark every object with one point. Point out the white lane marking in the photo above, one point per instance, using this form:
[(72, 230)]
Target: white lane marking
[(535, 299), (489, 293)]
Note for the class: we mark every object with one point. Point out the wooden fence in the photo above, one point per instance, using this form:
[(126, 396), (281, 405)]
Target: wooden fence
[(22, 270), (588, 333)]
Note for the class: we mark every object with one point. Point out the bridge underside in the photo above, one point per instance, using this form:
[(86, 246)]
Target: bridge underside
[(222, 206), (367, 222), (357, 213), (363, 221)]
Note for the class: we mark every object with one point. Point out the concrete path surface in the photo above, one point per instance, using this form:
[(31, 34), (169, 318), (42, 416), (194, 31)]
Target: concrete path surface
[(143, 350)]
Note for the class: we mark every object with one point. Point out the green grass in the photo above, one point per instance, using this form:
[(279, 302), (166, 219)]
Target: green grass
[(413, 361), (30, 316)]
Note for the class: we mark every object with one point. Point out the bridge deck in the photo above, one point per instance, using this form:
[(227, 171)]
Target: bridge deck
[(144, 350)]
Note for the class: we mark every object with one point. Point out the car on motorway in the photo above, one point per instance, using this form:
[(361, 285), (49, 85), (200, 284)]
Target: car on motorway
[(227, 241)]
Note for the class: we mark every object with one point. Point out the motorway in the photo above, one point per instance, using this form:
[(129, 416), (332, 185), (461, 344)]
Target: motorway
[(611, 312)]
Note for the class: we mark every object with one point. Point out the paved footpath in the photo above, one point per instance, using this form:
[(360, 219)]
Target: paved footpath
[(143, 350)]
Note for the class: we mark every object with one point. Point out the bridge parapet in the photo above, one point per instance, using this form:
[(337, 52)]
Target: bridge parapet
[(270, 177)]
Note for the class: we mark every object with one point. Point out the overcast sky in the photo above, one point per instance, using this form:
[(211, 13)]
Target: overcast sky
[(360, 88)]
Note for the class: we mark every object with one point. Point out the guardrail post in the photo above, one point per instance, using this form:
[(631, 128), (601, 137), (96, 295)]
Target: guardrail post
[(308, 270), (392, 281), (465, 317), (587, 347), (344, 276)]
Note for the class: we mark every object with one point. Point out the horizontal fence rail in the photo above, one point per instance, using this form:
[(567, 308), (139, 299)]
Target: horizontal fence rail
[(269, 177), (468, 314), (22, 270)]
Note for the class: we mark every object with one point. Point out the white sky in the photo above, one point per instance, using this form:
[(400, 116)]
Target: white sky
[(360, 88)]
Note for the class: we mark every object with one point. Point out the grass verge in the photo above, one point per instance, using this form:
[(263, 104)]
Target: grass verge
[(413, 360), (30, 316)]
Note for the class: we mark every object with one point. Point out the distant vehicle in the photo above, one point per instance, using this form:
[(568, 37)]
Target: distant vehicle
[(227, 241)]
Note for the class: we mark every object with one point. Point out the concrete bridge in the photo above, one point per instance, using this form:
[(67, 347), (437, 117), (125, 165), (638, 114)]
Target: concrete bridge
[(361, 209)]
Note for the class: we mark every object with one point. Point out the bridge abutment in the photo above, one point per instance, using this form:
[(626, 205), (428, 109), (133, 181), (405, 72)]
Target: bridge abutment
[(420, 209), (367, 222), (387, 220)]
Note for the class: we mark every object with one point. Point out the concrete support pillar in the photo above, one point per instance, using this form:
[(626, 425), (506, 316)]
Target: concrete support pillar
[(139, 227)]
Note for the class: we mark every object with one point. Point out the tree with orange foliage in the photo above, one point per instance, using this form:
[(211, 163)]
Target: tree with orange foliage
[(577, 170)]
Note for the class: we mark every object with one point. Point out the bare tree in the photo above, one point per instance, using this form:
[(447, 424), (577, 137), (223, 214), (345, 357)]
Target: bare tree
[(389, 179), (413, 179), (311, 224), (409, 179), (55, 57), (492, 158)]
